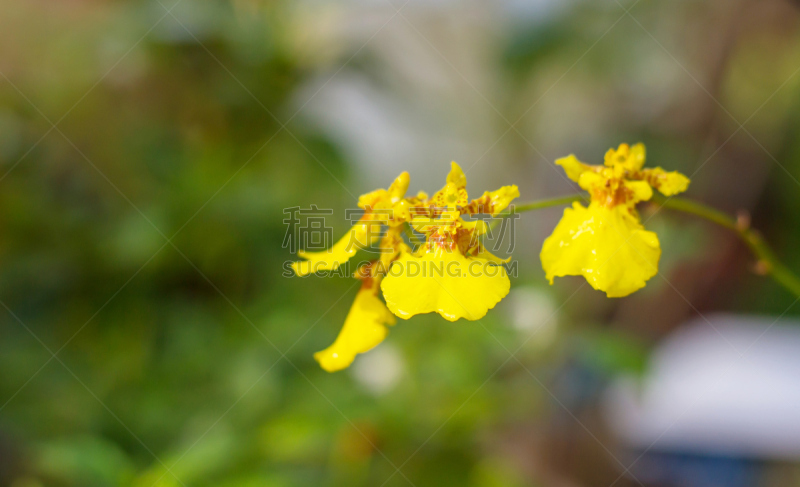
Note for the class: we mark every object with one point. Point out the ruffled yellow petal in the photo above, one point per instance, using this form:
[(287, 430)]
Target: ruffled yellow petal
[(590, 181), (456, 176), (360, 236), (667, 183), (626, 157), (639, 190), (364, 328), (573, 167), (444, 282), (401, 212), (372, 199), (636, 157), (398, 188), (493, 202), (454, 192), (385, 198), (607, 246)]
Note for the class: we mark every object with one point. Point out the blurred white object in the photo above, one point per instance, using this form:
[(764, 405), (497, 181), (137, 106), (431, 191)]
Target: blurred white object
[(380, 369), (723, 384), (533, 313)]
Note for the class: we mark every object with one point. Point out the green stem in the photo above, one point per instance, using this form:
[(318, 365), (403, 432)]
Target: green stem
[(412, 237), (537, 205), (768, 262)]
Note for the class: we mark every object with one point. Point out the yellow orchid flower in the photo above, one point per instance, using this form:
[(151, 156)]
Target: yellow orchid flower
[(606, 242), (458, 277), (451, 274)]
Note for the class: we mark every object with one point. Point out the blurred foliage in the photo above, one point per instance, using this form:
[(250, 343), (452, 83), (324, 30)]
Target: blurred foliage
[(142, 245)]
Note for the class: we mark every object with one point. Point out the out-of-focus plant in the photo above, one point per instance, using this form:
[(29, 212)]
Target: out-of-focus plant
[(470, 280)]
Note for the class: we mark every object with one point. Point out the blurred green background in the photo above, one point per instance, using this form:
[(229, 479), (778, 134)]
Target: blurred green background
[(149, 148)]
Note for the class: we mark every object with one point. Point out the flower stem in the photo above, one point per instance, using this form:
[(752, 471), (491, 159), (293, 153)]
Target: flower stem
[(768, 263), (537, 205), (412, 237)]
